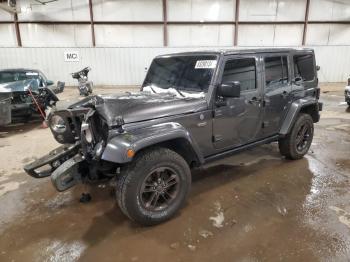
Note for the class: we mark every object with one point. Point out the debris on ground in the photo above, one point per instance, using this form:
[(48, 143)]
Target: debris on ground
[(218, 220), (175, 245), (282, 210), (205, 233), (191, 247)]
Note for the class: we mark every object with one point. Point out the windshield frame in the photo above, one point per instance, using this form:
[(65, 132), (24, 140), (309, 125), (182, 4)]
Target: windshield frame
[(208, 92)]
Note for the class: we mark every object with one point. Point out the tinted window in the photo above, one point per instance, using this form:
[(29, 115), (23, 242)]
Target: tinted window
[(242, 70), (304, 67), (192, 73), (276, 71), (12, 76)]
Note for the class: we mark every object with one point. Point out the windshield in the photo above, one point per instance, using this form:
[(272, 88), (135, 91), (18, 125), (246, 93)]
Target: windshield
[(187, 73), (12, 76)]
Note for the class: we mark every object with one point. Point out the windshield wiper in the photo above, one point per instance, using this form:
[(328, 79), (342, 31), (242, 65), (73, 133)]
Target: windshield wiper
[(181, 94), (153, 89), (177, 90)]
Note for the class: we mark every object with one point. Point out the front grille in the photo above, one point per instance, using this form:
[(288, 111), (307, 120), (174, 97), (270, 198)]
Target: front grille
[(74, 123)]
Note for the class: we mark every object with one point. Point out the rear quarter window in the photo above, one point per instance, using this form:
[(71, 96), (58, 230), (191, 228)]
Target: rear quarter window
[(304, 66)]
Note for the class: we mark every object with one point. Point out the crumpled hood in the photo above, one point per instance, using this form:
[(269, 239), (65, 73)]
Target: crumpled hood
[(141, 106)]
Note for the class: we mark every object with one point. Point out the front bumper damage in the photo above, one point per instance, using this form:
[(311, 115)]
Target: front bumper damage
[(62, 164)]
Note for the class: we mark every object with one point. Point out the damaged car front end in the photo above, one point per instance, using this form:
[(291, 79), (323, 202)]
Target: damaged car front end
[(83, 133), (25, 92)]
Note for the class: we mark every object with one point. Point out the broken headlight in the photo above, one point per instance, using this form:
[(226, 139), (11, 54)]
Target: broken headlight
[(58, 124), (86, 131)]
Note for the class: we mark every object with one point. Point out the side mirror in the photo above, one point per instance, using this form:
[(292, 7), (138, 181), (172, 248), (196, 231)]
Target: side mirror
[(231, 89), (318, 68), (49, 82)]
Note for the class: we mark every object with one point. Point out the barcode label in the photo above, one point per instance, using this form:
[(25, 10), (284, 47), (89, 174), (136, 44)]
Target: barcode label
[(201, 64)]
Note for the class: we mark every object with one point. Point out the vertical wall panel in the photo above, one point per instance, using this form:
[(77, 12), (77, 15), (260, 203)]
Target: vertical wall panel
[(270, 35), (130, 10), (329, 10), (129, 35), (272, 10), (63, 10), (288, 35), (7, 35), (5, 16), (200, 35), (334, 62), (317, 34), (201, 10), (255, 35), (329, 34), (339, 34), (55, 35)]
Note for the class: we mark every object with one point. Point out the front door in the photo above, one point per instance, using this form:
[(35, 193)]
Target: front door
[(277, 92), (237, 121)]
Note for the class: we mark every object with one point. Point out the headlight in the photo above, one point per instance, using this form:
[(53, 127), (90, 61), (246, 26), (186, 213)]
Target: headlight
[(85, 128), (58, 124)]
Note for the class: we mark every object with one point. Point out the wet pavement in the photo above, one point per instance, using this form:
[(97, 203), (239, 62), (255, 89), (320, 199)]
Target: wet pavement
[(255, 206)]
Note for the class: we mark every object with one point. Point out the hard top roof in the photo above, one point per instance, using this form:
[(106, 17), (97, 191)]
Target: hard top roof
[(237, 51)]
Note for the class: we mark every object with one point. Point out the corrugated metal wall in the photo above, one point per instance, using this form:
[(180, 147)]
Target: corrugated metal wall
[(127, 66)]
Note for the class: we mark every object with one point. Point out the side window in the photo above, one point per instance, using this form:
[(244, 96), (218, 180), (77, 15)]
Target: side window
[(304, 67), (276, 71), (242, 70)]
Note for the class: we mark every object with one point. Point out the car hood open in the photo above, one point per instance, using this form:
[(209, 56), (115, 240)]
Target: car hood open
[(141, 106)]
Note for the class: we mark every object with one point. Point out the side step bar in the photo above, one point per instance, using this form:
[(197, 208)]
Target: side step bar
[(240, 149)]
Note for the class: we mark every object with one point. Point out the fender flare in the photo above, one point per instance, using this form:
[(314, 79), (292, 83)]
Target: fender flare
[(293, 112), (137, 139)]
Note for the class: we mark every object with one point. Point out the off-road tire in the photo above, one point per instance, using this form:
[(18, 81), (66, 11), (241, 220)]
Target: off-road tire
[(132, 176), (288, 146)]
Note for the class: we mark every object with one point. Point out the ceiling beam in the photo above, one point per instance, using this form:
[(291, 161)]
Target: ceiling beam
[(235, 39), (306, 21), (165, 23), (18, 32), (93, 40), (180, 22)]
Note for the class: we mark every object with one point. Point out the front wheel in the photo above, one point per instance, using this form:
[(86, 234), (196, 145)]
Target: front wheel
[(154, 186), (297, 143)]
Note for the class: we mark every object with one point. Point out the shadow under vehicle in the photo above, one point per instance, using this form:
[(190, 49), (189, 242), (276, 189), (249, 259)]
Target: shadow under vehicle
[(192, 108), (24, 92)]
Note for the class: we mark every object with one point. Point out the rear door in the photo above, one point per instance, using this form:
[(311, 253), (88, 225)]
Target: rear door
[(237, 121), (277, 92)]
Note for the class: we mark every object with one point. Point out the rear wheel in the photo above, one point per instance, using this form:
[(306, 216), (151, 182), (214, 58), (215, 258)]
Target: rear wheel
[(297, 143), (154, 186)]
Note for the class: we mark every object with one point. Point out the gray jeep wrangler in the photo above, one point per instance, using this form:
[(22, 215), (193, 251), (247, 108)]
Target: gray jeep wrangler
[(192, 108)]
